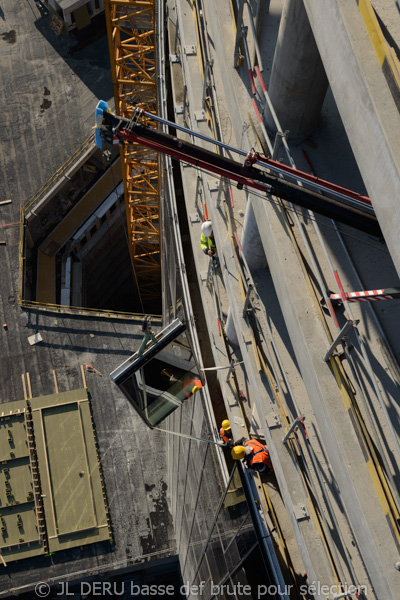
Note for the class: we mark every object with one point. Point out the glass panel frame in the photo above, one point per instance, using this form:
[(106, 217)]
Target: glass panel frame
[(157, 380)]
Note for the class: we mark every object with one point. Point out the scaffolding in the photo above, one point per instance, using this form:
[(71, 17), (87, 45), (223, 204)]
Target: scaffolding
[(131, 38)]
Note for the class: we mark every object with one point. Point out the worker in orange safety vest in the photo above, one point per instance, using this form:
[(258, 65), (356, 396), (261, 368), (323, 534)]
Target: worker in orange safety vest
[(226, 433), (191, 386), (255, 455)]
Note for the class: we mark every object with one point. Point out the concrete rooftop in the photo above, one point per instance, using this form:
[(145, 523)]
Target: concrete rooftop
[(50, 90)]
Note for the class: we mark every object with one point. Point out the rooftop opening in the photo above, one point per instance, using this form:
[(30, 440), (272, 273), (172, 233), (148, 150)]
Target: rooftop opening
[(74, 245)]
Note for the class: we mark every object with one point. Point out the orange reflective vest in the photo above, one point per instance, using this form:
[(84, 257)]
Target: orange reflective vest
[(259, 457), (225, 437), (189, 384)]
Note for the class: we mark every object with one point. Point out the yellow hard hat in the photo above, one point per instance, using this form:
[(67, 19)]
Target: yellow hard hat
[(195, 388), (226, 425), (238, 452)]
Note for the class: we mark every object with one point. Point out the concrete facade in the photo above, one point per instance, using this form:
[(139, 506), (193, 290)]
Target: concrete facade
[(365, 103), (298, 81)]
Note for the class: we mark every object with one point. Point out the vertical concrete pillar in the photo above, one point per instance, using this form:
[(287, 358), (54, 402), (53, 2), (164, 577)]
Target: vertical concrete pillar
[(253, 248), (230, 330), (254, 253), (298, 81)]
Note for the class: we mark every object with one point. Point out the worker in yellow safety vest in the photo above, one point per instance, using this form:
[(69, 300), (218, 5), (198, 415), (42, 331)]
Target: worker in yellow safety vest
[(207, 242)]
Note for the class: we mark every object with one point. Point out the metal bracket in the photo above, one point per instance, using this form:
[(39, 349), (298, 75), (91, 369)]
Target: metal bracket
[(213, 185), (278, 140), (239, 21), (300, 512), (292, 428), (272, 420), (179, 108), (190, 50), (231, 368), (174, 58), (341, 335), (247, 299), (200, 115), (194, 218), (199, 193)]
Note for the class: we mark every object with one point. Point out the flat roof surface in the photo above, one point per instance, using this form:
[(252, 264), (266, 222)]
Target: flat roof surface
[(34, 143)]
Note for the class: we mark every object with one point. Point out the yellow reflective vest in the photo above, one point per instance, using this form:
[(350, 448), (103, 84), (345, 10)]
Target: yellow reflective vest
[(207, 244)]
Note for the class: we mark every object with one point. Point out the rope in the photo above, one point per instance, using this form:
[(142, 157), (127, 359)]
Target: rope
[(191, 437)]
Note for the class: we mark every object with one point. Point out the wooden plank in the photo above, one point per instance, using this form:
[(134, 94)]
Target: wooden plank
[(23, 384), (5, 202), (28, 380), (55, 381), (83, 375)]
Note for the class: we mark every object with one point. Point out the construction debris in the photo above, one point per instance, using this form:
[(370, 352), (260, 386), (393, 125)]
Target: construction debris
[(35, 339), (93, 370)]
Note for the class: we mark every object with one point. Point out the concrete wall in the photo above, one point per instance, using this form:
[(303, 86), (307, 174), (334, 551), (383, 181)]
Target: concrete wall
[(366, 106), (298, 82)]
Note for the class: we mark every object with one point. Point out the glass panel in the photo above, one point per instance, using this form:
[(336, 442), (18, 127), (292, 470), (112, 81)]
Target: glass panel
[(160, 377), (184, 544), (216, 560), (246, 540)]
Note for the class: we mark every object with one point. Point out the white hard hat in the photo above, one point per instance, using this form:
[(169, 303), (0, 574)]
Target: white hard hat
[(206, 228)]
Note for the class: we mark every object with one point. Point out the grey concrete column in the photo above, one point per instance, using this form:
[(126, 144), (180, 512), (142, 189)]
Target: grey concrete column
[(254, 253), (230, 330), (298, 81), (252, 245)]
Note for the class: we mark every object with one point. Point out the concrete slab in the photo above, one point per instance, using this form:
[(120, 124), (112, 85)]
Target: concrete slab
[(34, 143)]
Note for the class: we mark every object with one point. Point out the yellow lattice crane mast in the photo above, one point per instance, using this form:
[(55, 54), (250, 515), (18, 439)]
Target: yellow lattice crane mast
[(132, 40)]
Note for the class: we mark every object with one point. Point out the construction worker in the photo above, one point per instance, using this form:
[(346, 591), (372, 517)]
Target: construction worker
[(191, 386), (226, 434), (255, 455), (207, 242)]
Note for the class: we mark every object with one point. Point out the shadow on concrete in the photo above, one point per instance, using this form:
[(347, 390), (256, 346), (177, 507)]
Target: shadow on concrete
[(83, 349), (83, 323), (85, 52), (29, 566), (329, 478)]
